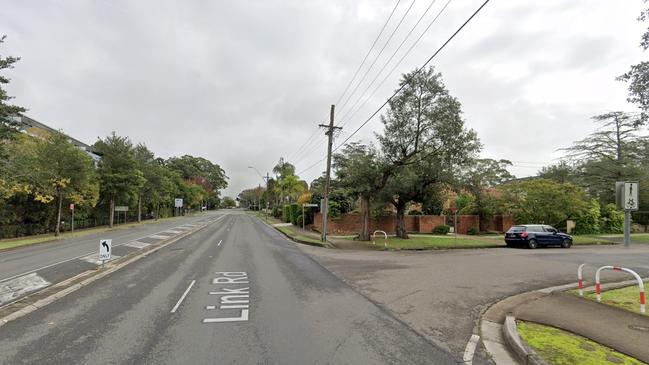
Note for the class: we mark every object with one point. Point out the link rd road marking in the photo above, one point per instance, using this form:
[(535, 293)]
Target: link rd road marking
[(234, 298)]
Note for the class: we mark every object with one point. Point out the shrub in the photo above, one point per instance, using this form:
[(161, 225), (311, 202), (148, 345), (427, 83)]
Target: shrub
[(295, 211), (414, 212), (276, 212), (297, 220), (334, 209), (286, 213), (472, 231), (612, 219), (588, 220), (442, 229)]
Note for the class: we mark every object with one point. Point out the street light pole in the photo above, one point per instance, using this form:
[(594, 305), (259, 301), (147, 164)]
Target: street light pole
[(266, 178)]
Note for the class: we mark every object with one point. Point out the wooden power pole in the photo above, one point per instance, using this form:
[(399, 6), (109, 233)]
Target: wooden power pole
[(325, 208)]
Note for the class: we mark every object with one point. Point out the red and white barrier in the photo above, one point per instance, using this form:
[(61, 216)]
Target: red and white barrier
[(385, 243), (598, 289), (580, 280)]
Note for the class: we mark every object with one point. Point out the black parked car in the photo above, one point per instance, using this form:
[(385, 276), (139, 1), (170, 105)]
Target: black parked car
[(533, 235)]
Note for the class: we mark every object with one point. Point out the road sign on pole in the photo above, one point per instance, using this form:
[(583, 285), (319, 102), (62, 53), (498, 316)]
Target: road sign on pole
[(105, 249), (178, 202), (626, 198)]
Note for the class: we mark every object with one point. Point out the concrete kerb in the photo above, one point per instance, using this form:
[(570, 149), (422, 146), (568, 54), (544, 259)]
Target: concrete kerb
[(493, 326), (85, 278), (525, 354), (325, 244)]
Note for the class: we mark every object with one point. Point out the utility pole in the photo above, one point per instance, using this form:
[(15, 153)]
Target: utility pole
[(325, 208), (267, 195)]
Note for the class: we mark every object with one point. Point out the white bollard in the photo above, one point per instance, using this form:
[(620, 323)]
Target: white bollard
[(580, 281)]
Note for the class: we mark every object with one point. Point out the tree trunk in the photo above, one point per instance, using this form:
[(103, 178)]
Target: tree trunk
[(365, 219), (401, 221), (57, 231), (111, 209), (139, 208)]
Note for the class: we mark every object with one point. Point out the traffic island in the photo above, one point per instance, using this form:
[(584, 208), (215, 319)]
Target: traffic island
[(615, 329)]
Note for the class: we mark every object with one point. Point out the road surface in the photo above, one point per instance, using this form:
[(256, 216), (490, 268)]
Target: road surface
[(236, 292)]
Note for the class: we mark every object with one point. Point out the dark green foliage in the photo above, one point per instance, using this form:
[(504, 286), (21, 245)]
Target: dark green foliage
[(334, 209), (612, 219), (589, 219), (295, 210), (8, 127), (472, 231), (286, 213), (442, 229), (414, 212)]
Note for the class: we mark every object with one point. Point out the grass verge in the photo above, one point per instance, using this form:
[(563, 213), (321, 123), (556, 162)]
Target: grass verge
[(431, 242), (558, 347), (298, 237), (627, 298), (608, 239)]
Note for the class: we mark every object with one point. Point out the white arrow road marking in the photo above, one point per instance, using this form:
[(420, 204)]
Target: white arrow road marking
[(219, 243), (470, 349), (21, 285), (173, 310)]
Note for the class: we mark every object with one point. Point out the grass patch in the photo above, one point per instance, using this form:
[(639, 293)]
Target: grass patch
[(558, 347), (608, 239), (289, 232), (627, 298), (421, 242)]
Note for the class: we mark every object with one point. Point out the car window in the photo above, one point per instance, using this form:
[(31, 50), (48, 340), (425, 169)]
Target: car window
[(550, 229), (516, 229), (535, 229)]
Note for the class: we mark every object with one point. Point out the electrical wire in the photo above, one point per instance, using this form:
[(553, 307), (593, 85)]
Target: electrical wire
[(416, 72)]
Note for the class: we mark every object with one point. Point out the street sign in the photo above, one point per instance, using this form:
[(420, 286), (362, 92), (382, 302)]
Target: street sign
[(309, 205), (71, 206), (105, 249), (631, 196), (178, 202), (121, 208)]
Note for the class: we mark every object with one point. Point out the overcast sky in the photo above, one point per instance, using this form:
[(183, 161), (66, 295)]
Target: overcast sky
[(245, 82)]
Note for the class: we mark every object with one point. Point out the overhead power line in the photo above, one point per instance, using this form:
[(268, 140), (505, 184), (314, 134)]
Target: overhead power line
[(378, 36), (403, 17), (415, 73), (345, 121)]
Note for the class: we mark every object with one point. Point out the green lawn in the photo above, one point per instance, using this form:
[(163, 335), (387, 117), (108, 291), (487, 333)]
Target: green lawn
[(559, 347), (626, 298), (607, 239), (423, 242)]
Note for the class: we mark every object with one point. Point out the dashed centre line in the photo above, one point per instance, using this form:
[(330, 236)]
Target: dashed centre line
[(219, 243), (173, 310)]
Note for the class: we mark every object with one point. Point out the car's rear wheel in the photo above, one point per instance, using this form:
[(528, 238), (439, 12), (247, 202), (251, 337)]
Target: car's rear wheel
[(566, 243), (509, 244), (532, 244)]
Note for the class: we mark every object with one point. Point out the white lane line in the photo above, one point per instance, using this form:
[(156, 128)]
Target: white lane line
[(75, 258), (219, 243), (470, 349), (173, 310)]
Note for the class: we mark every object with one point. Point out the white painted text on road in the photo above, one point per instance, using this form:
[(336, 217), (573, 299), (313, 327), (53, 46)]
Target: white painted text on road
[(233, 298)]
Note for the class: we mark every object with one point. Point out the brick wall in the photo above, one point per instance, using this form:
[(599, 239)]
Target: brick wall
[(465, 222), (351, 223)]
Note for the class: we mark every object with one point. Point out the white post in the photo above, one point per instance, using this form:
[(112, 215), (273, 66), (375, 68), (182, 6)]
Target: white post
[(580, 280)]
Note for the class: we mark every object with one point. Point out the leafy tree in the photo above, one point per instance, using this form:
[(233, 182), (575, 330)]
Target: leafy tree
[(612, 219), (64, 173), (228, 202), (588, 221), (608, 155), (638, 76), (543, 201), (561, 172), (424, 140), (8, 126), (198, 168), (118, 171), (478, 178), (361, 173)]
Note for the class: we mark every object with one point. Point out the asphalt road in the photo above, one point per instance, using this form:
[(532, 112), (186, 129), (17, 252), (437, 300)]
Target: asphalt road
[(235, 292), (27, 269), (442, 294)]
